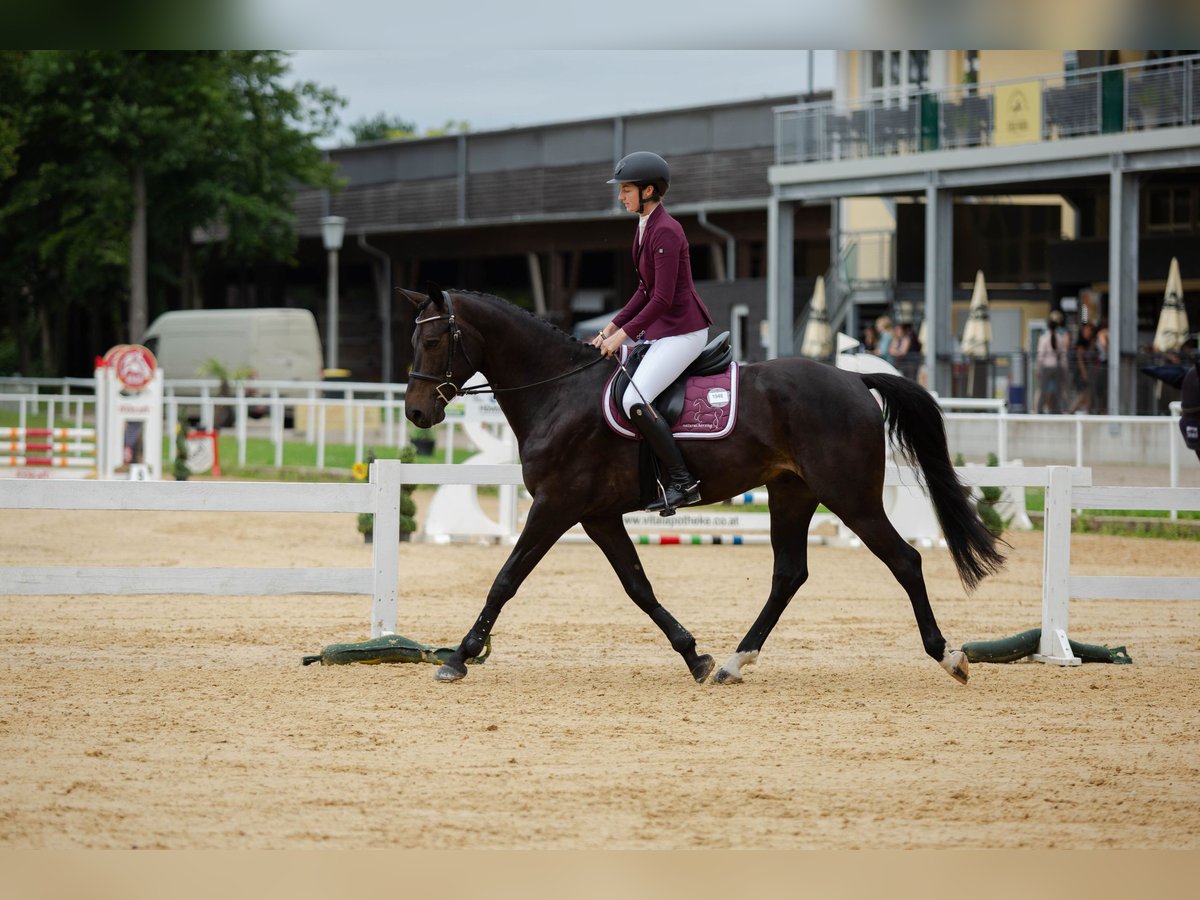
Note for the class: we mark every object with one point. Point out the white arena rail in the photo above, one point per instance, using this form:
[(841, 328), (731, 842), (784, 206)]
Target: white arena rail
[(1067, 488), (1059, 585), (380, 495)]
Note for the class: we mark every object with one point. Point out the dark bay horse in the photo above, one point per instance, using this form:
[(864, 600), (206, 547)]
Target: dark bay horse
[(810, 432)]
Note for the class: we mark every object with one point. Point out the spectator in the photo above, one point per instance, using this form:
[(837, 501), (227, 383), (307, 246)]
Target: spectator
[(883, 327), (1051, 364), (906, 350), (1099, 378), (870, 339), (1082, 366)]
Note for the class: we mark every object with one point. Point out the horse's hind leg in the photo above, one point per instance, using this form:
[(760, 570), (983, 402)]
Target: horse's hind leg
[(610, 536), (792, 505), (876, 531)]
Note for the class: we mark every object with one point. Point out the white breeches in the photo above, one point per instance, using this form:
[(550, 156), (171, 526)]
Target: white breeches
[(663, 363)]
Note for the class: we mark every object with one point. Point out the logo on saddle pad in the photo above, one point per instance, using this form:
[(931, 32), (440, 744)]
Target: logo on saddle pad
[(708, 409)]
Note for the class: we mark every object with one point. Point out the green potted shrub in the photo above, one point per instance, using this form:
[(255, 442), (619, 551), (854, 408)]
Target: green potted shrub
[(181, 447), (423, 440), (224, 416), (988, 498), (408, 506)]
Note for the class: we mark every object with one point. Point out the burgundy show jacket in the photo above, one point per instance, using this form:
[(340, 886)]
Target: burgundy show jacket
[(666, 301)]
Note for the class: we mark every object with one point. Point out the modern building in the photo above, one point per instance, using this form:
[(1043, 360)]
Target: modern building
[(919, 169), (1069, 178), (526, 213)]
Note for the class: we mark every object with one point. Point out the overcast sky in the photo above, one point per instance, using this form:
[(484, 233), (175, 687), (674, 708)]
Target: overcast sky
[(492, 89)]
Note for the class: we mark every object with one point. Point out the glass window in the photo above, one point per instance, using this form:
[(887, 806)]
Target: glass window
[(1170, 209), (918, 67), (1158, 208), (1181, 215), (876, 69)]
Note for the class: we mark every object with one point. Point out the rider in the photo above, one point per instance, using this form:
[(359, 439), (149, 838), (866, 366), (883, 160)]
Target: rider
[(1189, 423), (665, 310)]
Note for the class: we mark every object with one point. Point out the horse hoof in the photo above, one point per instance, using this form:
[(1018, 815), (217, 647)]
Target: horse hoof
[(447, 672), (724, 676), (956, 664), (704, 665)]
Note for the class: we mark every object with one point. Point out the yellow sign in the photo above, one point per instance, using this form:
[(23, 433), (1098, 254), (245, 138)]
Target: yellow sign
[(1017, 109)]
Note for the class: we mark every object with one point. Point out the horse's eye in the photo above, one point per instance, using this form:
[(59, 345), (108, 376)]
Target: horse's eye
[(431, 343)]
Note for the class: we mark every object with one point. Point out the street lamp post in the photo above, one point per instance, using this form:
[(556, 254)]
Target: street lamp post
[(333, 228)]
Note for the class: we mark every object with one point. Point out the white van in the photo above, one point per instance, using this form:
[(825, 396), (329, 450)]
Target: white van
[(276, 344)]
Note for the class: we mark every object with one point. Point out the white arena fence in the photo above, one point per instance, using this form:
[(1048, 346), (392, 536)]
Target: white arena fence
[(381, 496), (361, 413), (1059, 586)]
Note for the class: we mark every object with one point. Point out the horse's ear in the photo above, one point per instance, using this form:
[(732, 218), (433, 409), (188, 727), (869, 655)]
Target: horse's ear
[(434, 291), (414, 297)]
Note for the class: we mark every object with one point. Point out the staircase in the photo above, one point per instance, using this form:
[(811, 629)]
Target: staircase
[(849, 275)]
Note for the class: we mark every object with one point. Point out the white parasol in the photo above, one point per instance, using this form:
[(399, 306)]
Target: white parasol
[(1172, 331), (977, 333), (818, 336)]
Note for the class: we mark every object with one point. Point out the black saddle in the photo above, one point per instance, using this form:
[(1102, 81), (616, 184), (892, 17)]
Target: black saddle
[(713, 359)]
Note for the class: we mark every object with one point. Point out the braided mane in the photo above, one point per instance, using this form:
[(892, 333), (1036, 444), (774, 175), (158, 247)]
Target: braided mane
[(550, 328)]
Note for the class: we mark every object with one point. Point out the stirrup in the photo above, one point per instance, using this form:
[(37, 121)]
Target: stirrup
[(674, 496)]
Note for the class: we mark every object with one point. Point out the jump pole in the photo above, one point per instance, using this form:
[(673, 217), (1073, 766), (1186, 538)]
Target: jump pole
[(680, 540), (71, 449)]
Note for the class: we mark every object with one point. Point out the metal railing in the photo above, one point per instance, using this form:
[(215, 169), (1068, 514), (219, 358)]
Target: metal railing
[(866, 259), (975, 424), (1130, 97)]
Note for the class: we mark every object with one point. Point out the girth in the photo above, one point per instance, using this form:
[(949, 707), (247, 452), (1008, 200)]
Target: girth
[(713, 359)]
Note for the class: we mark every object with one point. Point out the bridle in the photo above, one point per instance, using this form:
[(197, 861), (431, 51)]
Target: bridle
[(457, 343)]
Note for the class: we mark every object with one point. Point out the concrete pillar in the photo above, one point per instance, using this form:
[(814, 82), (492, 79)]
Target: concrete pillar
[(781, 288), (1122, 283), (939, 260)]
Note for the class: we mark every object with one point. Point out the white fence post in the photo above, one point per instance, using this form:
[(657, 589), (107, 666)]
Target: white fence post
[(1055, 646), (1176, 409), (385, 481)]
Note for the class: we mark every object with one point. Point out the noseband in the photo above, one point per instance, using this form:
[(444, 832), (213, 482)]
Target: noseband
[(456, 343)]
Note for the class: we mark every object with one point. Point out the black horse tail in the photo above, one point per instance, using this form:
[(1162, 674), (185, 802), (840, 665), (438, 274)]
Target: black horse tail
[(915, 427)]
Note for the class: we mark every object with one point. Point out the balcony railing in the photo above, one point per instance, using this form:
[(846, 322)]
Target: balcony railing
[(1107, 100)]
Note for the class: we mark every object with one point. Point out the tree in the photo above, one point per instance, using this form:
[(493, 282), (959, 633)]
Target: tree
[(118, 159), (382, 127), (452, 126)]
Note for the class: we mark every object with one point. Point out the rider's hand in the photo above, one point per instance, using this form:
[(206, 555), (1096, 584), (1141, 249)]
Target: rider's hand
[(613, 342)]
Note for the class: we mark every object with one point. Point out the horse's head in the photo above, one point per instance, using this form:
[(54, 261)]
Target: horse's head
[(442, 360)]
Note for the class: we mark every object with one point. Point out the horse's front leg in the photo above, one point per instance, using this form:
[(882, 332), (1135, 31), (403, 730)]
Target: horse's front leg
[(544, 525), (792, 506), (611, 537)]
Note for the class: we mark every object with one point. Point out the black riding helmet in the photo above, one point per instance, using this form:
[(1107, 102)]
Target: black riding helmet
[(642, 168)]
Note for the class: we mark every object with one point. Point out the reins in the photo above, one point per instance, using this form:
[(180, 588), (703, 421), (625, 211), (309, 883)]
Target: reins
[(490, 388), (486, 388)]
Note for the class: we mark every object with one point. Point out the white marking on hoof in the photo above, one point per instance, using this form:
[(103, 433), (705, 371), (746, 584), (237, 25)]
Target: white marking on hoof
[(731, 672), (447, 674), (955, 662)]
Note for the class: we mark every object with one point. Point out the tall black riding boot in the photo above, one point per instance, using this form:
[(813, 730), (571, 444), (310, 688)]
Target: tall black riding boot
[(681, 489)]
